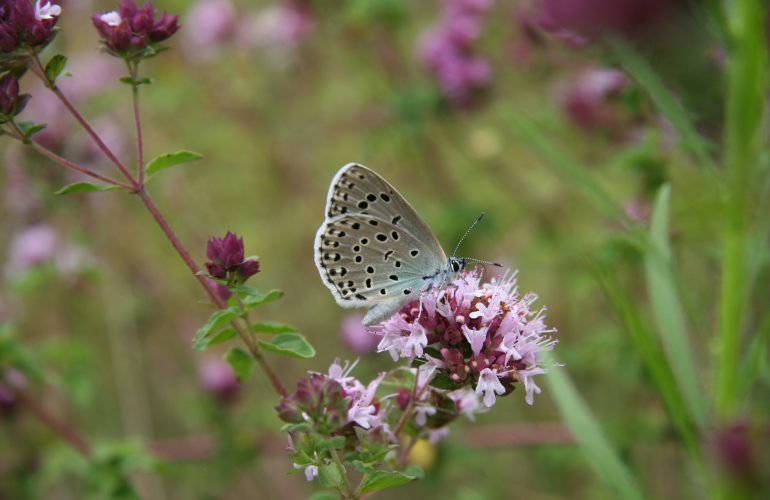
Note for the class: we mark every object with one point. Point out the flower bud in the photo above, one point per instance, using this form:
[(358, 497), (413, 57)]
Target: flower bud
[(248, 267), (129, 31)]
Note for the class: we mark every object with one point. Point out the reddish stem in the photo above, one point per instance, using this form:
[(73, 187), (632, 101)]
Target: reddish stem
[(58, 426), (40, 72), (67, 163), (193, 266), (137, 186)]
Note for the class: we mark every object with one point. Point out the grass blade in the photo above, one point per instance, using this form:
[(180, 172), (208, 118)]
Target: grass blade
[(646, 346), (667, 309), (641, 71), (589, 436)]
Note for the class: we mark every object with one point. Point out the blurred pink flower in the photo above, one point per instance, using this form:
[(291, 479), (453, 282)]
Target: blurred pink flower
[(208, 24), (278, 27), (578, 21), (217, 378), (31, 247), (587, 100), (446, 50), (638, 210), (356, 336)]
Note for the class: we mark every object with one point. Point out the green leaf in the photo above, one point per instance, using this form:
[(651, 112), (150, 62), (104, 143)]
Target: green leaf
[(55, 67), (667, 308), (240, 362), (250, 301), (289, 344), (272, 327), (86, 187), (223, 336), (330, 476), (588, 433), (215, 322), (135, 83), (28, 129), (334, 443), (169, 160), (381, 479)]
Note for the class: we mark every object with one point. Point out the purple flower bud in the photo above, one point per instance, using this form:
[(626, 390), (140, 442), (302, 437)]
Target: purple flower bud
[(248, 267), (232, 251), (226, 259), (288, 411), (218, 379), (735, 451), (25, 23), (403, 396), (139, 41), (216, 270), (141, 21), (165, 27), (128, 31)]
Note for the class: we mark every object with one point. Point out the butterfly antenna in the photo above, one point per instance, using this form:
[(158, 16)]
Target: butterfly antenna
[(470, 259), (481, 216)]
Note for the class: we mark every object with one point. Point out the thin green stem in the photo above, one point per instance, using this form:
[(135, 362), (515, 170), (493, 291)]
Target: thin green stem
[(133, 70), (746, 90), (349, 493)]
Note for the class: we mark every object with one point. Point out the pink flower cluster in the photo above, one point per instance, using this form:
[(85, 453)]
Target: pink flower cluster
[(589, 100), (447, 50), (484, 336)]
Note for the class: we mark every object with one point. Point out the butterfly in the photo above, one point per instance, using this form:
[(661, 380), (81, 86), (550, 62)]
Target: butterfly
[(373, 249)]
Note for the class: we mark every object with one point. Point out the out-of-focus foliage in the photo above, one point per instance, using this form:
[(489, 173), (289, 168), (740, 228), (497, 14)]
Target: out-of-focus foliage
[(602, 160)]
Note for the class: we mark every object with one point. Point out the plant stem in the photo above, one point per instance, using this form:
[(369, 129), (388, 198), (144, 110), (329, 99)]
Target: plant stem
[(196, 271), (40, 72), (67, 163), (349, 493), (134, 73), (60, 427), (746, 87), (137, 186)]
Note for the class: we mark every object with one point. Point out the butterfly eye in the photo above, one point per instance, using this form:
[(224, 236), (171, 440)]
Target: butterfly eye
[(455, 266)]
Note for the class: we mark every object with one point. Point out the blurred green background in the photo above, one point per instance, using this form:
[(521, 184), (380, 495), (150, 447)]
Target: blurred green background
[(277, 99)]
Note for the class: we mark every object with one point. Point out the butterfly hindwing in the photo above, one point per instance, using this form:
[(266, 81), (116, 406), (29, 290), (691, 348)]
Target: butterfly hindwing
[(365, 260)]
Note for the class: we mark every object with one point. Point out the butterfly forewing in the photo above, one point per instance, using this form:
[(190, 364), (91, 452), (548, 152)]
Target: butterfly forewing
[(358, 189), (364, 260)]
